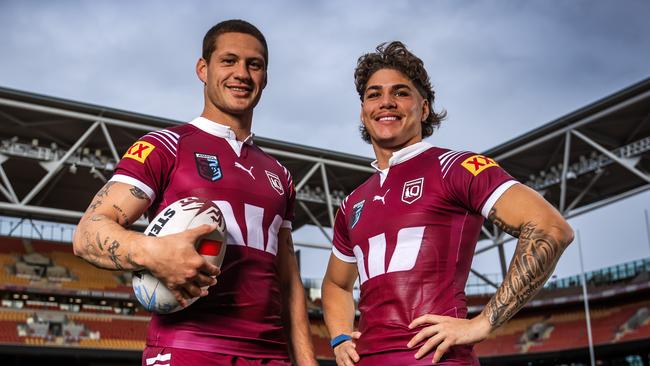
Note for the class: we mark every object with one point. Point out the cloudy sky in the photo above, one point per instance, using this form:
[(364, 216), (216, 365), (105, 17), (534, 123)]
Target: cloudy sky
[(500, 68)]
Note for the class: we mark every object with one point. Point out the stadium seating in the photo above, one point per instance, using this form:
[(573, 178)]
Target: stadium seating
[(94, 324), (66, 270)]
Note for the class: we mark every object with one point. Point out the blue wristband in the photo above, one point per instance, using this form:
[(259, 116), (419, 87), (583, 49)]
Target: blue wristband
[(339, 339)]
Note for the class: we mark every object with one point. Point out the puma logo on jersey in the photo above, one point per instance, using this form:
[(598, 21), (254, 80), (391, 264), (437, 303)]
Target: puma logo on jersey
[(381, 198), (249, 171)]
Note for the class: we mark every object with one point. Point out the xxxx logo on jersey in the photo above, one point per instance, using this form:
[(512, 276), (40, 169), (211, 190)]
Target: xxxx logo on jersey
[(478, 163), (139, 151)]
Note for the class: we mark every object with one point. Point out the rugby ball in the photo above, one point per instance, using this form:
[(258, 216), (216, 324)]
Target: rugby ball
[(186, 213)]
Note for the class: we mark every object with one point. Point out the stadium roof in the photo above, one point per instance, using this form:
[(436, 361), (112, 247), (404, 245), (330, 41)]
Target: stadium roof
[(584, 160), (601, 150), (56, 153)]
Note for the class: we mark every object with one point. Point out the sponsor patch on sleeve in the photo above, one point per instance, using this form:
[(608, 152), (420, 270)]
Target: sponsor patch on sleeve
[(475, 164), (139, 151)]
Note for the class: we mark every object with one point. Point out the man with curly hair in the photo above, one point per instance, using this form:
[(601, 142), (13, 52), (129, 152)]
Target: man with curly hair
[(409, 232)]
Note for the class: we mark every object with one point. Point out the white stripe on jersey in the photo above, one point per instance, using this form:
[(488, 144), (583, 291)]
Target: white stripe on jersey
[(459, 156), (286, 174), (172, 134), (162, 143), (171, 139), (159, 357), (447, 157), (344, 202), (448, 161), (168, 142), (443, 157)]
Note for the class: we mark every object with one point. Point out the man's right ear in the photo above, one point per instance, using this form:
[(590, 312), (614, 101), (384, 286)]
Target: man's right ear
[(202, 70)]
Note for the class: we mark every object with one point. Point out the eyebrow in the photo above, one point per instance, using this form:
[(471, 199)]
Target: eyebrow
[(393, 87)]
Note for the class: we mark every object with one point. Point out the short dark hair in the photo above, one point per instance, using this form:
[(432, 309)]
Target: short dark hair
[(396, 56), (232, 26)]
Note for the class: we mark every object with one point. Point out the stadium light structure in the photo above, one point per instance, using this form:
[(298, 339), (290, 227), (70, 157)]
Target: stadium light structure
[(585, 298)]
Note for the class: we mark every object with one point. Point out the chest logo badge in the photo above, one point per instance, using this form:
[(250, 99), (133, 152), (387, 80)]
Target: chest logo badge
[(412, 190), (208, 167), (275, 182), (356, 213), (381, 198)]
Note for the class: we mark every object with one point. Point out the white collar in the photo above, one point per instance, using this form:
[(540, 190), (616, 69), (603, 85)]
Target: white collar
[(223, 131), (401, 156), (404, 154)]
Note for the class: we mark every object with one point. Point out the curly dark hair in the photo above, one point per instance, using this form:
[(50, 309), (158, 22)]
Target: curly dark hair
[(396, 56)]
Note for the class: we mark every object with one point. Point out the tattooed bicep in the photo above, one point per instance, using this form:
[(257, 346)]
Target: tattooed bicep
[(100, 197), (506, 227), (138, 193)]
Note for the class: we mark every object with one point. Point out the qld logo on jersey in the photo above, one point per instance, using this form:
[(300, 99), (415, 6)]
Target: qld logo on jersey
[(208, 167), (478, 163), (356, 213), (275, 181), (412, 190), (139, 151)]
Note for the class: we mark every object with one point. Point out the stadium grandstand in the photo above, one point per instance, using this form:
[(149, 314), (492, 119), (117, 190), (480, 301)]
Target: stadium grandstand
[(57, 309)]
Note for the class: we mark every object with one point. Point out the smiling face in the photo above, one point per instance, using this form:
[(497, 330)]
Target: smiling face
[(392, 110), (234, 77)]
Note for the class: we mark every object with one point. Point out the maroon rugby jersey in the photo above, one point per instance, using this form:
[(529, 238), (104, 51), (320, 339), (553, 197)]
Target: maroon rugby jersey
[(241, 314), (412, 230)]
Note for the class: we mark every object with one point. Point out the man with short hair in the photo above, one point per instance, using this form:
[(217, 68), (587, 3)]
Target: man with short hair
[(256, 312), (409, 232)]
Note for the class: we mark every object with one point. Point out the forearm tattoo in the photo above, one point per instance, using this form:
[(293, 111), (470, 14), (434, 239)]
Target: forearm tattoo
[(533, 262), (114, 257), (105, 253)]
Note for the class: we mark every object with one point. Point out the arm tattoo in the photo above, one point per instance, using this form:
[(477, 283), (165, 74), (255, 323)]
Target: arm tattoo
[(98, 200), (92, 254), (104, 191), (532, 264), (96, 218), (99, 242), (512, 230), (138, 193), (95, 252), (96, 203), (125, 217), (114, 257)]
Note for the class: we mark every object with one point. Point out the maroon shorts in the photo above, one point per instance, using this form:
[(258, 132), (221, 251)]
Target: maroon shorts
[(165, 356)]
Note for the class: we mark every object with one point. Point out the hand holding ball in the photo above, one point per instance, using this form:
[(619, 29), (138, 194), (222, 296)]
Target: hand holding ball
[(184, 214)]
